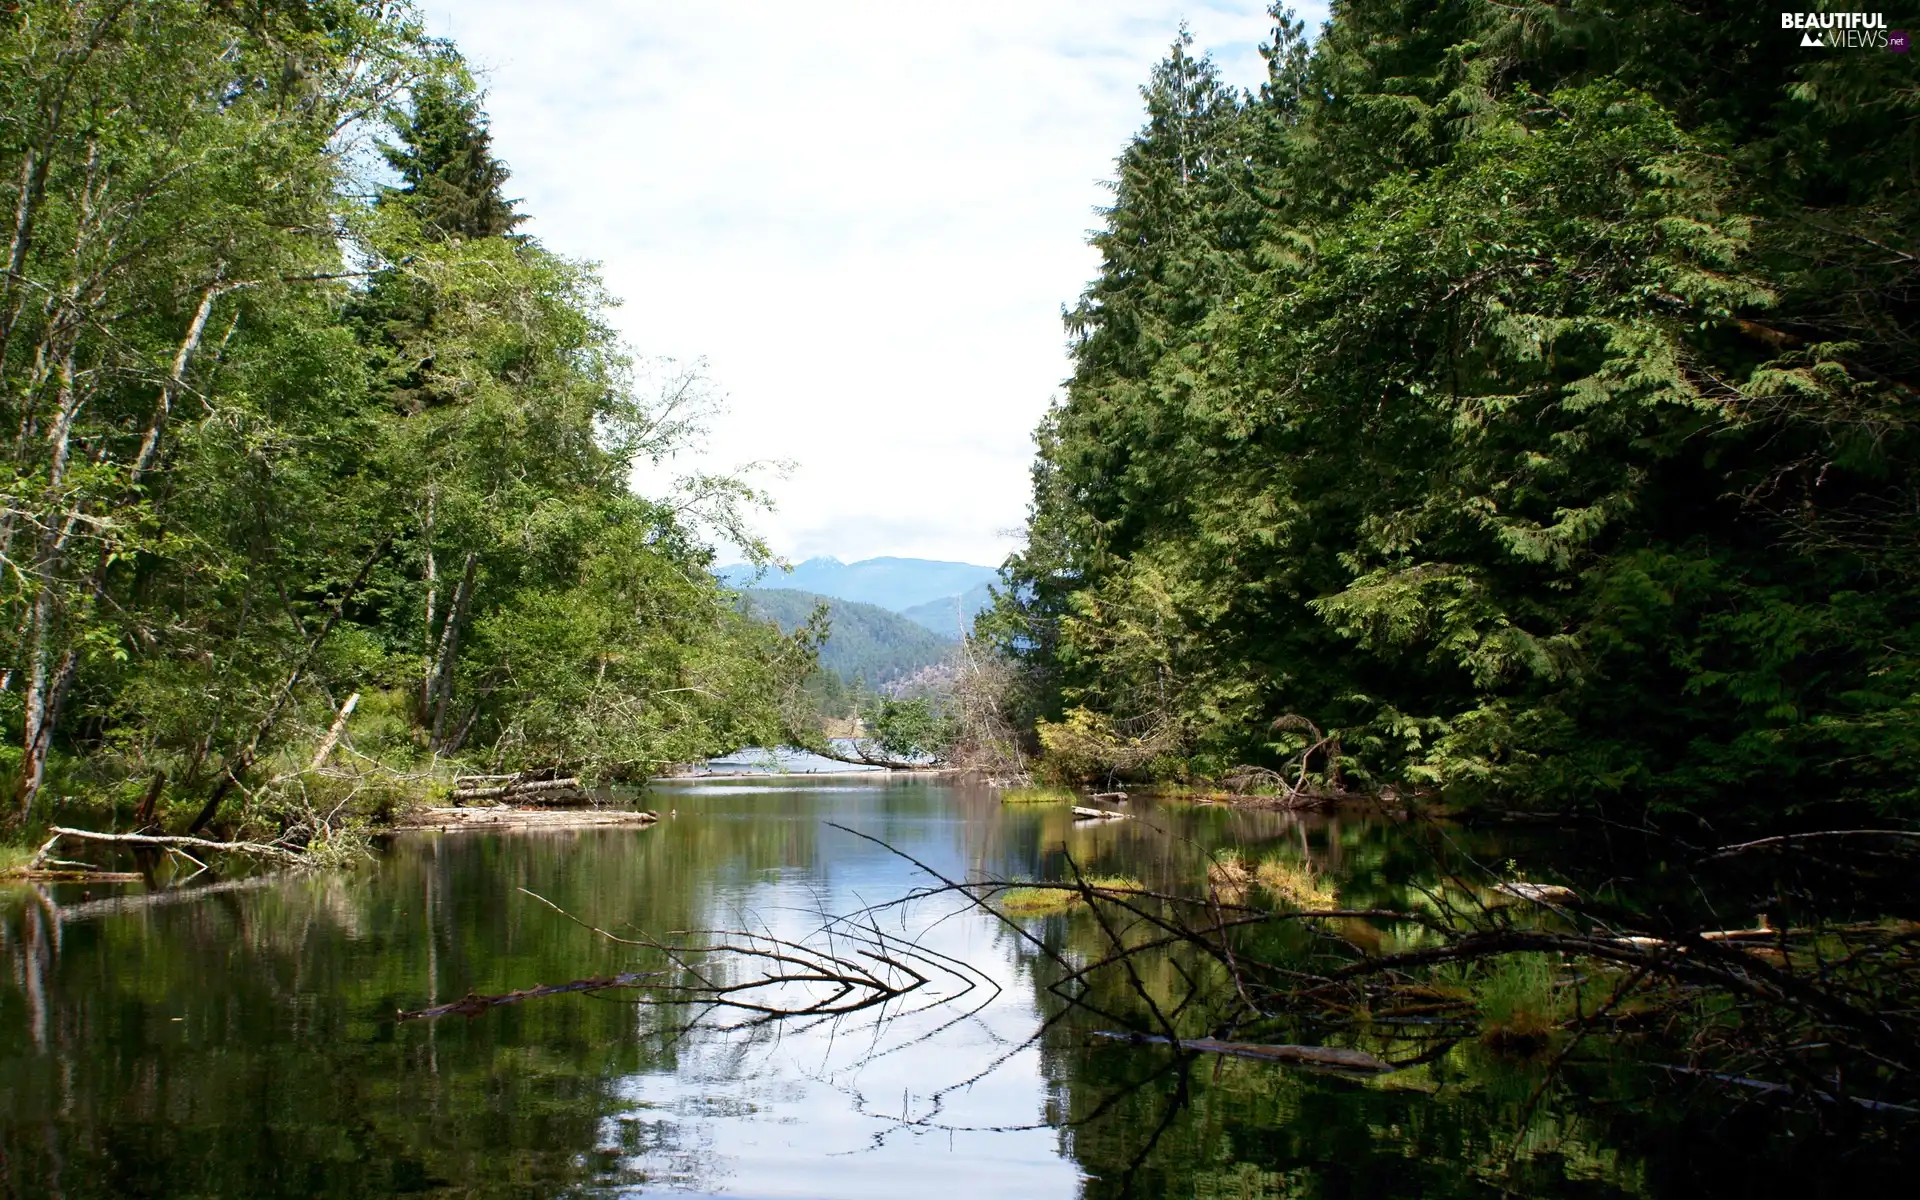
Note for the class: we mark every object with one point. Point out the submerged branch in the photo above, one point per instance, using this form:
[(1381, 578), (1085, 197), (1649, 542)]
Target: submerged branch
[(473, 1003)]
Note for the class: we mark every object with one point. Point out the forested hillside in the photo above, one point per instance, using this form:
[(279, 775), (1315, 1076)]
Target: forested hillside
[(297, 415), (863, 641), (1514, 400), (952, 616)]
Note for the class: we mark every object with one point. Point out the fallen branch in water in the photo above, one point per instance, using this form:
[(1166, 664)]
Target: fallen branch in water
[(257, 849), (1787, 841), (1334, 1057), (845, 967), (473, 1004), (1781, 1089), (117, 905)]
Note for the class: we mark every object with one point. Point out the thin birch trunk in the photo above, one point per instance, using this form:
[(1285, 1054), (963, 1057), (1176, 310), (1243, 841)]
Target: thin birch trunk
[(433, 597), (450, 649), (39, 710), (46, 690), (176, 378)]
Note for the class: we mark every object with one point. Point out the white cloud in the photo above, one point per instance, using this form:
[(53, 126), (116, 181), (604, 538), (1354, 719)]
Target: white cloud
[(866, 216)]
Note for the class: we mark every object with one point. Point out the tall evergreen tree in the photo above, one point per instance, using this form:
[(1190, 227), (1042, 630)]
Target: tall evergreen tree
[(445, 159)]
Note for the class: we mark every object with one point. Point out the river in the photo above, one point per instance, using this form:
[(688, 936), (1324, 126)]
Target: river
[(245, 1042)]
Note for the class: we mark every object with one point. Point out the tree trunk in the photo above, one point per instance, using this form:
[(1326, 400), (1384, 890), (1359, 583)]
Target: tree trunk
[(332, 739), (450, 649), (143, 815), (433, 598), (46, 691)]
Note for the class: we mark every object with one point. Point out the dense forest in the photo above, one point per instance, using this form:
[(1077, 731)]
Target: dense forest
[(301, 422), (1507, 401)]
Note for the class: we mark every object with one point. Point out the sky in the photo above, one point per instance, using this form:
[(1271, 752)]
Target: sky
[(864, 217)]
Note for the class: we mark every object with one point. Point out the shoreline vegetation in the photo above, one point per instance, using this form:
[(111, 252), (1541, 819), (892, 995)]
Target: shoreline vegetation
[(318, 496)]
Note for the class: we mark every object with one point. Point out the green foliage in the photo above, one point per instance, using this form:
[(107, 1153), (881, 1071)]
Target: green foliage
[(285, 435), (1532, 418), (910, 728), (14, 857), (1520, 1001), (1295, 882)]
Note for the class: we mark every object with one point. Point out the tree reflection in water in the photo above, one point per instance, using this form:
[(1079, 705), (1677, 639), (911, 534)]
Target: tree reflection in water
[(247, 1044)]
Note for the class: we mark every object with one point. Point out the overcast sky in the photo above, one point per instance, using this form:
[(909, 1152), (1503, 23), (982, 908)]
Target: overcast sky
[(865, 217)]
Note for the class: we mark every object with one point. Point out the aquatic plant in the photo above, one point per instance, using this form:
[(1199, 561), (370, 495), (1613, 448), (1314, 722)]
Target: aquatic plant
[(1037, 795), (1046, 900), (1295, 882), (1228, 875), (14, 857), (1519, 999)]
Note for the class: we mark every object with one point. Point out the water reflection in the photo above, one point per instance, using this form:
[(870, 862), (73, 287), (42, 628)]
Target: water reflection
[(245, 1043)]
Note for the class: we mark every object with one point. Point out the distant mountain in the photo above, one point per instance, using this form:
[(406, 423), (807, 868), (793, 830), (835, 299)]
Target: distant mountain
[(895, 584), (865, 640), (952, 616)]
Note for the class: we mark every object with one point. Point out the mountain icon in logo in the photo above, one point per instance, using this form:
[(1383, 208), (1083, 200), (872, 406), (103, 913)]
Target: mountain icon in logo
[(1807, 39)]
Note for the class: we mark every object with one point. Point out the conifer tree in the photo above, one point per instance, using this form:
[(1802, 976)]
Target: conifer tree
[(445, 160)]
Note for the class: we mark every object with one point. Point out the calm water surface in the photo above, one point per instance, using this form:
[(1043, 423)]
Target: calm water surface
[(245, 1043)]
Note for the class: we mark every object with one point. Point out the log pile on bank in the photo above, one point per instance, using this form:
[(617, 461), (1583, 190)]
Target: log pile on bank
[(532, 787)]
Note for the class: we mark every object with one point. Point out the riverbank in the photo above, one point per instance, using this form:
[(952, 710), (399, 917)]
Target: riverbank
[(421, 803), (332, 816)]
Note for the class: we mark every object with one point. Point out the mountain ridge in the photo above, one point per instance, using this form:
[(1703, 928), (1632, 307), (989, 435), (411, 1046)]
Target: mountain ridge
[(892, 583), (864, 640)]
